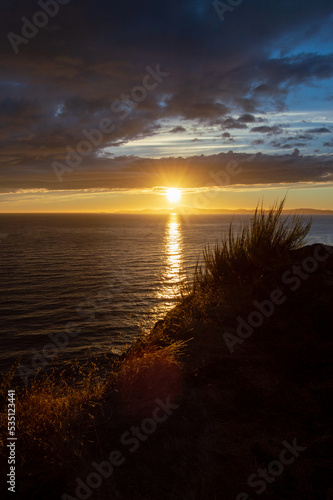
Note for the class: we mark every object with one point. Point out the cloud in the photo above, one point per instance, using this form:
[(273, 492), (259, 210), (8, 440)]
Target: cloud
[(130, 172), (247, 118), (265, 129), (230, 123), (321, 130), (305, 137), (227, 138), (283, 143), (257, 142), (177, 130), (65, 79)]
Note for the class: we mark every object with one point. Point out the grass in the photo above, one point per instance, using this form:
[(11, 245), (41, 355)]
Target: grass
[(228, 415), (150, 373), (52, 415), (259, 247), (59, 414), (240, 268)]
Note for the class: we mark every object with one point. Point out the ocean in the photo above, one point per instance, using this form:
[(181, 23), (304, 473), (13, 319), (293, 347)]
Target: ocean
[(77, 285)]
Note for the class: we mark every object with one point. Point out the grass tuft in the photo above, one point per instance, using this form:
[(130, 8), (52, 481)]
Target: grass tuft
[(260, 246)]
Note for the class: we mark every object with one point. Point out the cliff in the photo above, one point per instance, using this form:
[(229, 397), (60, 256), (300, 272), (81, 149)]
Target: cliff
[(228, 397)]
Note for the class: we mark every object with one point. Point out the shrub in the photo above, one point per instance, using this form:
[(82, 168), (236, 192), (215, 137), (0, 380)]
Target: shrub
[(261, 245)]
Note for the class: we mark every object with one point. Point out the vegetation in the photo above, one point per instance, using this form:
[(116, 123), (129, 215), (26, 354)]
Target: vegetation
[(234, 410), (52, 415), (259, 246)]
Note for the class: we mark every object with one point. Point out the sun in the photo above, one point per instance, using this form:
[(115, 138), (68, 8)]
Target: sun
[(173, 195)]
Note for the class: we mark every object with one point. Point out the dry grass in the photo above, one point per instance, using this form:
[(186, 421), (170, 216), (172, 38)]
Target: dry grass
[(58, 415), (52, 414), (151, 373)]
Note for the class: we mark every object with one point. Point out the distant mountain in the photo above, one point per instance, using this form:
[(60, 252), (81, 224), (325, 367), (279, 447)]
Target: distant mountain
[(190, 210), (312, 211)]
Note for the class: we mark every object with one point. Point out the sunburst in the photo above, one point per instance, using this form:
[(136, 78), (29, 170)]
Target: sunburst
[(173, 195)]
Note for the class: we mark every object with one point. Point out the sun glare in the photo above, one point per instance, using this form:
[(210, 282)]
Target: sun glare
[(173, 195)]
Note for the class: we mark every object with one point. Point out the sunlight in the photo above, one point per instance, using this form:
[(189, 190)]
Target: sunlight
[(173, 252), (173, 271), (173, 249), (173, 195)]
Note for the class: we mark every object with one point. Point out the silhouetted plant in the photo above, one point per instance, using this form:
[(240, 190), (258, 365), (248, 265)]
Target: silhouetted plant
[(260, 246)]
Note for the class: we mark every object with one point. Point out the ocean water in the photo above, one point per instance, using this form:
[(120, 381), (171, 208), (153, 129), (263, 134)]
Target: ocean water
[(98, 280)]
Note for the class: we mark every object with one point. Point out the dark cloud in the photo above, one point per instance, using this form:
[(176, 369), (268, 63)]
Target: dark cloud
[(65, 79), (321, 130), (230, 123), (328, 144), (247, 104), (177, 130), (304, 137), (247, 118), (282, 143), (129, 172), (227, 138), (265, 129), (257, 142), (263, 88)]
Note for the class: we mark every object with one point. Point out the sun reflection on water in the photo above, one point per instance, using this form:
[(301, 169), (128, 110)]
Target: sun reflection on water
[(173, 250), (173, 272)]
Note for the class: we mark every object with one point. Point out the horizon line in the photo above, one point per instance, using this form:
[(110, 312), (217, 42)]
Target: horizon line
[(179, 210)]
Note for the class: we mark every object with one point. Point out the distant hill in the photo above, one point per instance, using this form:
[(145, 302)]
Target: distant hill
[(191, 210)]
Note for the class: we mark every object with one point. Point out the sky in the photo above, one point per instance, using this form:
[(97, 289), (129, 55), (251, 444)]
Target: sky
[(104, 105)]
